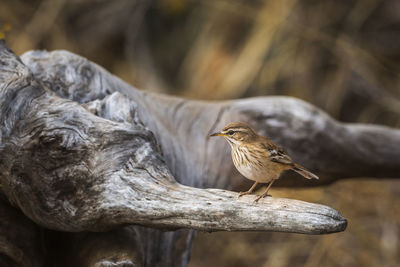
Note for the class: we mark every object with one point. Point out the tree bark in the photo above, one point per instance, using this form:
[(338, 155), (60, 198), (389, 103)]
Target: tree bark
[(70, 170)]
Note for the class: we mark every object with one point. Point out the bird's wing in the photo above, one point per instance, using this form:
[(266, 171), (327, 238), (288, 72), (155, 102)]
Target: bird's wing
[(280, 156), (276, 154)]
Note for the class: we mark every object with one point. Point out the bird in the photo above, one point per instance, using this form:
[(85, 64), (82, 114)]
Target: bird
[(257, 157)]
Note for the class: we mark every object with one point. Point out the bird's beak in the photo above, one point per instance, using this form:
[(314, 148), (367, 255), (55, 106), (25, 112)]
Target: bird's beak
[(217, 134)]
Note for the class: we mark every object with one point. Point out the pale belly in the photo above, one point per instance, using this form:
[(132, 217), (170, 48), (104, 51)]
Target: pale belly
[(263, 174)]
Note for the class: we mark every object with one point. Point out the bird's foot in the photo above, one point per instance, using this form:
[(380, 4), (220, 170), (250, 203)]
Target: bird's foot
[(260, 197), (243, 193)]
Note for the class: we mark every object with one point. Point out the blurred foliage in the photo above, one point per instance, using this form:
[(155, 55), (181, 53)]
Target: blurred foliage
[(341, 55)]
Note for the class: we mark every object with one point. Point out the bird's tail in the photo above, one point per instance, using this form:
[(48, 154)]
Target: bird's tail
[(303, 171)]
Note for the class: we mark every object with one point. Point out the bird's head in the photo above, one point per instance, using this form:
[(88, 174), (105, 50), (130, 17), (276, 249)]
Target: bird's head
[(237, 133)]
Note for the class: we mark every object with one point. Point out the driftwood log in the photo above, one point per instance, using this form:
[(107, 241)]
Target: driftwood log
[(116, 156)]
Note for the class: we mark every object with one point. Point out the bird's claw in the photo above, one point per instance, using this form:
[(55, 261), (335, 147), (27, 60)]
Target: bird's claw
[(260, 197), (243, 193)]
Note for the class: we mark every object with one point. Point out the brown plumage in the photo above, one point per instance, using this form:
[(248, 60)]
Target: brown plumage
[(258, 158)]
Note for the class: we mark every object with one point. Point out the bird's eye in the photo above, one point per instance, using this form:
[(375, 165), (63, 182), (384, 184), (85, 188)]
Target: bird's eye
[(231, 132)]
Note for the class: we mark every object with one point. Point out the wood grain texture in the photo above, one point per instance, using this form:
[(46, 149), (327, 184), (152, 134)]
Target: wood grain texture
[(71, 170), (97, 166), (117, 168)]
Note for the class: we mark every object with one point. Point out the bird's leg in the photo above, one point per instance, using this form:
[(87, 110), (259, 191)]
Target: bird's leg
[(265, 193), (249, 191)]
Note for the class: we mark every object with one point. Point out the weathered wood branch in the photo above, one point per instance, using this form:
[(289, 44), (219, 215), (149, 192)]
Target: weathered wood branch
[(68, 169)]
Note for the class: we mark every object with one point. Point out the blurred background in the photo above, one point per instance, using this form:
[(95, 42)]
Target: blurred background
[(340, 55)]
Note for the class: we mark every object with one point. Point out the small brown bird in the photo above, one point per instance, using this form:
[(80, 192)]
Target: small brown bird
[(258, 158)]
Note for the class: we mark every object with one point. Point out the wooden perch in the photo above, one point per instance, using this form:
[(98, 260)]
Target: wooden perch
[(116, 159), (70, 170)]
